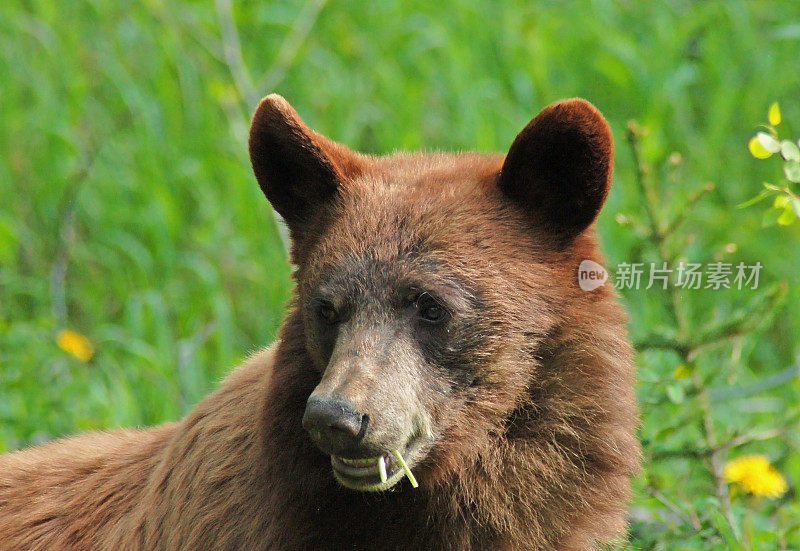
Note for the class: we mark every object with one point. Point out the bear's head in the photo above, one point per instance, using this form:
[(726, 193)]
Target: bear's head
[(434, 289)]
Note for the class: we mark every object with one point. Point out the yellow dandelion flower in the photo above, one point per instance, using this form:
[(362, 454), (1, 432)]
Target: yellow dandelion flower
[(768, 484), (75, 345), (755, 475)]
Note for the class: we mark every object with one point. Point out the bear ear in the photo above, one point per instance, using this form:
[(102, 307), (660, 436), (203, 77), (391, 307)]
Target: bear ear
[(299, 170), (559, 168)]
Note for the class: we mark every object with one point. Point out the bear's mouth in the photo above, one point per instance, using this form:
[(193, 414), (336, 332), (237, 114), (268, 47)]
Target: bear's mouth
[(364, 473)]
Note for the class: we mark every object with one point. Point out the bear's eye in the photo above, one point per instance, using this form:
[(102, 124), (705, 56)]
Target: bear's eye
[(327, 312), (429, 309)]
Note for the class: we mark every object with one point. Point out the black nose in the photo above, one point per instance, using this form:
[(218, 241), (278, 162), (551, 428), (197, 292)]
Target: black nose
[(335, 425)]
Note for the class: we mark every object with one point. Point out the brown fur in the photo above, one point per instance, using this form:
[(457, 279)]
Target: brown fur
[(536, 453)]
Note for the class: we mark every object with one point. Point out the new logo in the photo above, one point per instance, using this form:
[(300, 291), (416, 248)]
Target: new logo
[(591, 275)]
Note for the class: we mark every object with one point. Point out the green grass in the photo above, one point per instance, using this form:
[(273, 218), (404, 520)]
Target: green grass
[(128, 211)]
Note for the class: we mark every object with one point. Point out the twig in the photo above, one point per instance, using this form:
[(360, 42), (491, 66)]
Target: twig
[(676, 222), (186, 352), (658, 238), (291, 45), (661, 343), (680, 453), (232, 49), (58, 273), (683, 453), (716, 462), (214, 46), (752, 437), (672, 507), (746, 321), (633, 135), (772, 381)]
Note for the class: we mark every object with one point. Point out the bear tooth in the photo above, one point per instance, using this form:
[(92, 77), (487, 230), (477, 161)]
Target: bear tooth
[(357, 462)]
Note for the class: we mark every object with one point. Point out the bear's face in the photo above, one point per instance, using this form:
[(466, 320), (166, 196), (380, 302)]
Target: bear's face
[(401, 339), (426, 282)]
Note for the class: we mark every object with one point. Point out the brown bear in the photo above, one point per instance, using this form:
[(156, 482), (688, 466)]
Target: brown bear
[(437, 326)]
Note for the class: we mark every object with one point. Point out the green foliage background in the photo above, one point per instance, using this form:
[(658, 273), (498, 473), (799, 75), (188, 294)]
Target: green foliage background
[(128, 211)]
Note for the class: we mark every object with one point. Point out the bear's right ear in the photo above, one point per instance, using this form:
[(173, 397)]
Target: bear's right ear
[(299, 170)]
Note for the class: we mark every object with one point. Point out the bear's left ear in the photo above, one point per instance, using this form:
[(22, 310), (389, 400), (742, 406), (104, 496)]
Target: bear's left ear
[(559, 168)]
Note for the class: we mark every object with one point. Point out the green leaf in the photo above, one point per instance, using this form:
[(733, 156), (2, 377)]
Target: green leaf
[(675, 394), (790, 151), (787, 217), (758, 198), (796, 206), (766, 141), (725, 529), (665, 432), (791, 170), (780, 201)]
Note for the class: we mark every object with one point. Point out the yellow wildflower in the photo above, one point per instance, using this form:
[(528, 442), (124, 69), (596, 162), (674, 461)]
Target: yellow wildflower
[(682, 372), (755, 476), (774, 114), (75, 344), (757, 150)]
